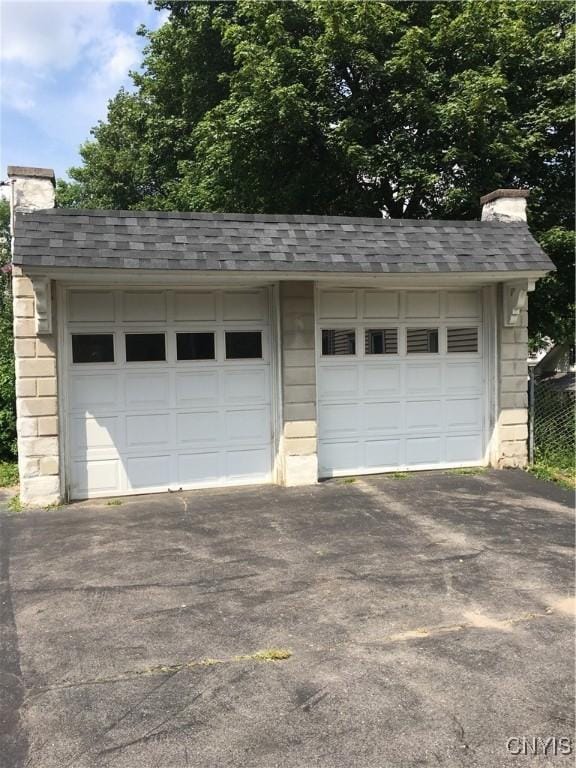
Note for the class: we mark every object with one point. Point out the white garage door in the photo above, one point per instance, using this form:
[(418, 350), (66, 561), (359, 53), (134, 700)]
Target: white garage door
[(400, 380), (167, 390)]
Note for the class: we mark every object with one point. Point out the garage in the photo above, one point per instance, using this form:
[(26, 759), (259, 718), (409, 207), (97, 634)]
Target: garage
[(401, 380), (166, 389), (165, 349)]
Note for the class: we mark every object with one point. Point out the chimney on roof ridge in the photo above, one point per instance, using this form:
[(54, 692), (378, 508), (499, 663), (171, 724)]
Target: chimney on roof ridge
[(32, 189), (504, 205)]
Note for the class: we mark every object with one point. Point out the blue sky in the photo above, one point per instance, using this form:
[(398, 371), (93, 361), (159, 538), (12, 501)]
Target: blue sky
[(60, 63)]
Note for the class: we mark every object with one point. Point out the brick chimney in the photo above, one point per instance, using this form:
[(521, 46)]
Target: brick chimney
[(504, 205)]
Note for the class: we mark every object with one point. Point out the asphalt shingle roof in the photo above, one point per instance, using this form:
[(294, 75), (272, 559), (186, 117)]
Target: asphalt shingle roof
[(213, 241)]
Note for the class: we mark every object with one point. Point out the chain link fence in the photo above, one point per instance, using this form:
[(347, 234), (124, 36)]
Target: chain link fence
[(552, 404)]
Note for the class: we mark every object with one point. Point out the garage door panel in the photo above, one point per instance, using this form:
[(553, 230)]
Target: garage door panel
[(95, 477), (248, 426), (150, 429), (340, 456), (194, 305), (381, 304), (147, 471), (464, 377), (339, 381), (245, 464), (199, 427), (463, 448), (463, 413), (382, 417), (424, 450), (205, 467), (142, 306), (244, 305), (383, 453), (245, 386), (197, 387), (94, 392), (381, 380), (463, 304), (422, 304), (146, 390), (94, 433), (339, 419), (423, 415), (91, 306), (423, 378), (338, 305)]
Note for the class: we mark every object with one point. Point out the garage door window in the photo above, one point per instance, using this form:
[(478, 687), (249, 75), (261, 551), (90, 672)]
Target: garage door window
[(381, 341), (339, 341), (462, 339), (195, 346), (145, 347), (243, 345), (422, 340), (92, 348)]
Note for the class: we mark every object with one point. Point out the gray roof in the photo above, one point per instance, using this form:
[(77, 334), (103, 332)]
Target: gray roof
[(233, 241)]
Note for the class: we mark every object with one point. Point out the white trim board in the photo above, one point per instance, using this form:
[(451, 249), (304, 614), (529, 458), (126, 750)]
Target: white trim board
[(162, 278)]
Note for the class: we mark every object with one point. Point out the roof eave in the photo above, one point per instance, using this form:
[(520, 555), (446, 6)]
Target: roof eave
[(106, 275)]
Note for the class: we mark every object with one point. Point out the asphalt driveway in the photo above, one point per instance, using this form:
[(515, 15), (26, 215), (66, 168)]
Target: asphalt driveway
[(428, 619)]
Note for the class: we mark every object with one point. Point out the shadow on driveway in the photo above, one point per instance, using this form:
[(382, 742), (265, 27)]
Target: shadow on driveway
[(428, 618)]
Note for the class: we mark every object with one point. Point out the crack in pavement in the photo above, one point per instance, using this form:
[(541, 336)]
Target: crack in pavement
[(475, 621), (265, 656), (131, 709), (144, 585)]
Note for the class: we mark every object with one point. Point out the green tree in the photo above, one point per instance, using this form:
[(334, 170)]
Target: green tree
[(7, 390), (551, 306), (313, 106)]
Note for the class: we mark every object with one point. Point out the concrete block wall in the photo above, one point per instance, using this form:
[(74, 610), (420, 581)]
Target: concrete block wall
[(298, 462), (513, 395), (36, 400)]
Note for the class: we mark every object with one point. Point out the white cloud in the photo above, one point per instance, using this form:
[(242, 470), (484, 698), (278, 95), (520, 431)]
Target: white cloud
[(44, 40), (17, 92), (61, 61), (41, 35), (103, 77), (124, 55)]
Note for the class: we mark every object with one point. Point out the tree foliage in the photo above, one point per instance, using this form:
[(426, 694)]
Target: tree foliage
[(7, 390), (329, 107)]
